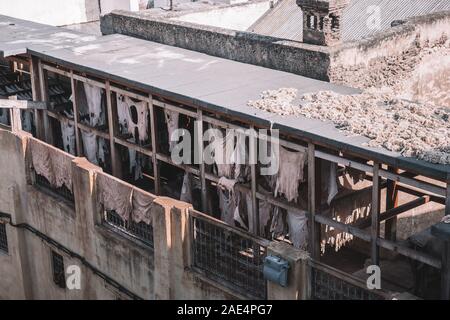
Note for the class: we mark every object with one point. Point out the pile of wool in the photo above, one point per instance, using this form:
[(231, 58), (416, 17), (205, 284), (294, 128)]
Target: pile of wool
[(412, 129)]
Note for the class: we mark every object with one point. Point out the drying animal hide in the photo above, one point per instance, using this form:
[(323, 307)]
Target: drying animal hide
[(278, 226), (94, 102), (27, 119), (137, 162), (101, 150), (68, 137), (227, 205), (90, 146), (265, 213), (346, 210), (126, 122), (298, 229), (115, 195), (4, 116), (223, 152), (186, 188), (52, 164), (290, 173), (172, 125), (228, 199), (123, 113), (142, 207)]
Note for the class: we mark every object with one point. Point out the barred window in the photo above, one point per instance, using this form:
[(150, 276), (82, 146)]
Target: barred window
[(62, 191), (3, 238), (58, 270), (224, 255), (140, 231)]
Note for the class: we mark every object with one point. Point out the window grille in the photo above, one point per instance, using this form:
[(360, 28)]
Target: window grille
[(140, 231), (59, 277), (3, 238), (228, 256), (62, 191)]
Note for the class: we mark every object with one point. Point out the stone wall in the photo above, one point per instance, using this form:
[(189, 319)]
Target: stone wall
[(295, 57), (398, 56)]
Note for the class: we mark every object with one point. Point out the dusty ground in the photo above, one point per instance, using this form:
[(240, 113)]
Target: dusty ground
[(412, 129)]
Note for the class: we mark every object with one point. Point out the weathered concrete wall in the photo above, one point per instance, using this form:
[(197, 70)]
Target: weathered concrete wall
[(397, 58), (303, 59), (76, 228), (238, 17), (26, 271), (400, 54), (53, 12)]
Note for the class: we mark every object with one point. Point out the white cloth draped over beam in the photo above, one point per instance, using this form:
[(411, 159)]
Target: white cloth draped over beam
[(142, 205), (231, 159), (94, 103), (52, 164), (90, 146), (124, 199), (127, 125), (298, 229), (347, 210), (290, 173), (68, 137), (172, 125)]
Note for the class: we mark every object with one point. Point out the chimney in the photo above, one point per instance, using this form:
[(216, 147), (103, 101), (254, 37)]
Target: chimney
[(322, 21)]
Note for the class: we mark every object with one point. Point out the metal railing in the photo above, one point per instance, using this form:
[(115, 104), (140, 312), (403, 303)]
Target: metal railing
[(62, 191), (328, 283), (228, 255), (140, 231)]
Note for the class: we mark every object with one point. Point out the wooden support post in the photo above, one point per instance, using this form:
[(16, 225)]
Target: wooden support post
[(113, 128), (313, 183), (375, 229), (447, 198), (36, 92), (153, 130), (44, 96), (253, 160), (16, 119), (73, 85), (445, 270), (199, 143), (391, 203)]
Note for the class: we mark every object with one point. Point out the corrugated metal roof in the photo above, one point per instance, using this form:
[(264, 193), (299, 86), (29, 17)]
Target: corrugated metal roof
[(284, 20), (360, 19), (361, 16)]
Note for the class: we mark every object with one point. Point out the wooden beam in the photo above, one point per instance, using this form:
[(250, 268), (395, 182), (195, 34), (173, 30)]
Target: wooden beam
[(44, 97), (314, 228), (375, 212), (418, 193), (73, 84), (22, 104), (390, 226), (408, 252), (253, 151), (388, 214), (113, 128), (36, 92), (199, 143), (401, 179), (16, 120), (387, 244), (153, 130), (447, 198)]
